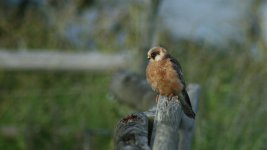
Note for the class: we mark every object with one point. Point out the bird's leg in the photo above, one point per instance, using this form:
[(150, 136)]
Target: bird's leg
[(176, 98), (157, 98), (170, 96)]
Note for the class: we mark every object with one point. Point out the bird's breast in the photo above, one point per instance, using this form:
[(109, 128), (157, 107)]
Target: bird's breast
[(164, 78)]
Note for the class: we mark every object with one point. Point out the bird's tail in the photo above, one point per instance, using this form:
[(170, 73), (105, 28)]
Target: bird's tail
[(186, 104)]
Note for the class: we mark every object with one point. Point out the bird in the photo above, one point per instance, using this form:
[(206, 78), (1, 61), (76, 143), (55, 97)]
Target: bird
[(165, 76)]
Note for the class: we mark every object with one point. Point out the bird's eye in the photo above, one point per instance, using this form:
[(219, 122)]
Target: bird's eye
[(153, 55)]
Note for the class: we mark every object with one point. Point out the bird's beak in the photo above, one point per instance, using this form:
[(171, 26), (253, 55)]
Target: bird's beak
[(148, 57)]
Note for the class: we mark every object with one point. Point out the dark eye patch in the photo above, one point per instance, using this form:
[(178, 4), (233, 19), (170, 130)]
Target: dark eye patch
[(154, 54)]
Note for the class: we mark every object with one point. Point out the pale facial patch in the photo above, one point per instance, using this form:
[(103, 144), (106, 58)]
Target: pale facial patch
[(158, 57)]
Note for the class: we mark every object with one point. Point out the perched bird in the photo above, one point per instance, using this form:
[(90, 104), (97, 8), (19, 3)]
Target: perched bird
[(165, 76)]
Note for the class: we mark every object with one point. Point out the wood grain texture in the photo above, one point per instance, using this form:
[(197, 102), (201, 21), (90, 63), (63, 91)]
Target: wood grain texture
[(187, 125), (132, 133), (166, 124)]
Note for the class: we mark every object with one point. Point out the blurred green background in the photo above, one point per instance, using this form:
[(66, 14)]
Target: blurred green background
[(74, 110)]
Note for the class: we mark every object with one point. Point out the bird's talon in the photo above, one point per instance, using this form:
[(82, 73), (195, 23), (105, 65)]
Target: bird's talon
[(157, 98)]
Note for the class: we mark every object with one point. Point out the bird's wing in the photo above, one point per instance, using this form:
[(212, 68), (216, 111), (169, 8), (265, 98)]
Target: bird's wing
[(177, 67)]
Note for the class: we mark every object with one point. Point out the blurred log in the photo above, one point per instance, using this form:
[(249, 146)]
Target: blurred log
[(44, 60), (171, 129), (132, 133), (9, 132), (133, 90)]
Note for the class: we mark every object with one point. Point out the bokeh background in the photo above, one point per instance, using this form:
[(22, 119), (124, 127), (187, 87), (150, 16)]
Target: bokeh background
[(220, 44)]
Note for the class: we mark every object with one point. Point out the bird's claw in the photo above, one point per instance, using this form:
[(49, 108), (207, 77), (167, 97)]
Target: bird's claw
[(157, 98)]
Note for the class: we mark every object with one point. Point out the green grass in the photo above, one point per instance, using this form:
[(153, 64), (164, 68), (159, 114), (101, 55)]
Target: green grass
[(44, 102), (232, 108)]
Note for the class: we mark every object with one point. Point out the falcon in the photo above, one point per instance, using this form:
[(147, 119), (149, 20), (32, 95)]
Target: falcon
[(164, 74)]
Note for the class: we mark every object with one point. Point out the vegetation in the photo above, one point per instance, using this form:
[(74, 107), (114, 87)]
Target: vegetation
[(43, 103), (232, 107), (53, 109)]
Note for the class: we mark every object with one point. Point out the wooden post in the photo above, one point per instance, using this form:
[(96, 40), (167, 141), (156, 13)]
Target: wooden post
[(187, 125), (132, 133), (171, 126), (166, 124)]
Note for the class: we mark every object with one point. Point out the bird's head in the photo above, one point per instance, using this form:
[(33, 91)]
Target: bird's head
[(157, 54)]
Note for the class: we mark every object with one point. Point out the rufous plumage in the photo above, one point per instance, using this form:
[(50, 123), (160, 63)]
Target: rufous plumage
[(164, 74)]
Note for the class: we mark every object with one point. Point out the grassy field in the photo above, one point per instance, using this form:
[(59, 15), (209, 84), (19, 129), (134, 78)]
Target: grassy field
[(232, 110), (44, 102), (53, 109)]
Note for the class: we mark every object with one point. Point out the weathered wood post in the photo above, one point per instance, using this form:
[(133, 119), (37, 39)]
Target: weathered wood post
[(132, 133), (166, 124), (162, 127), (187, 125)]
